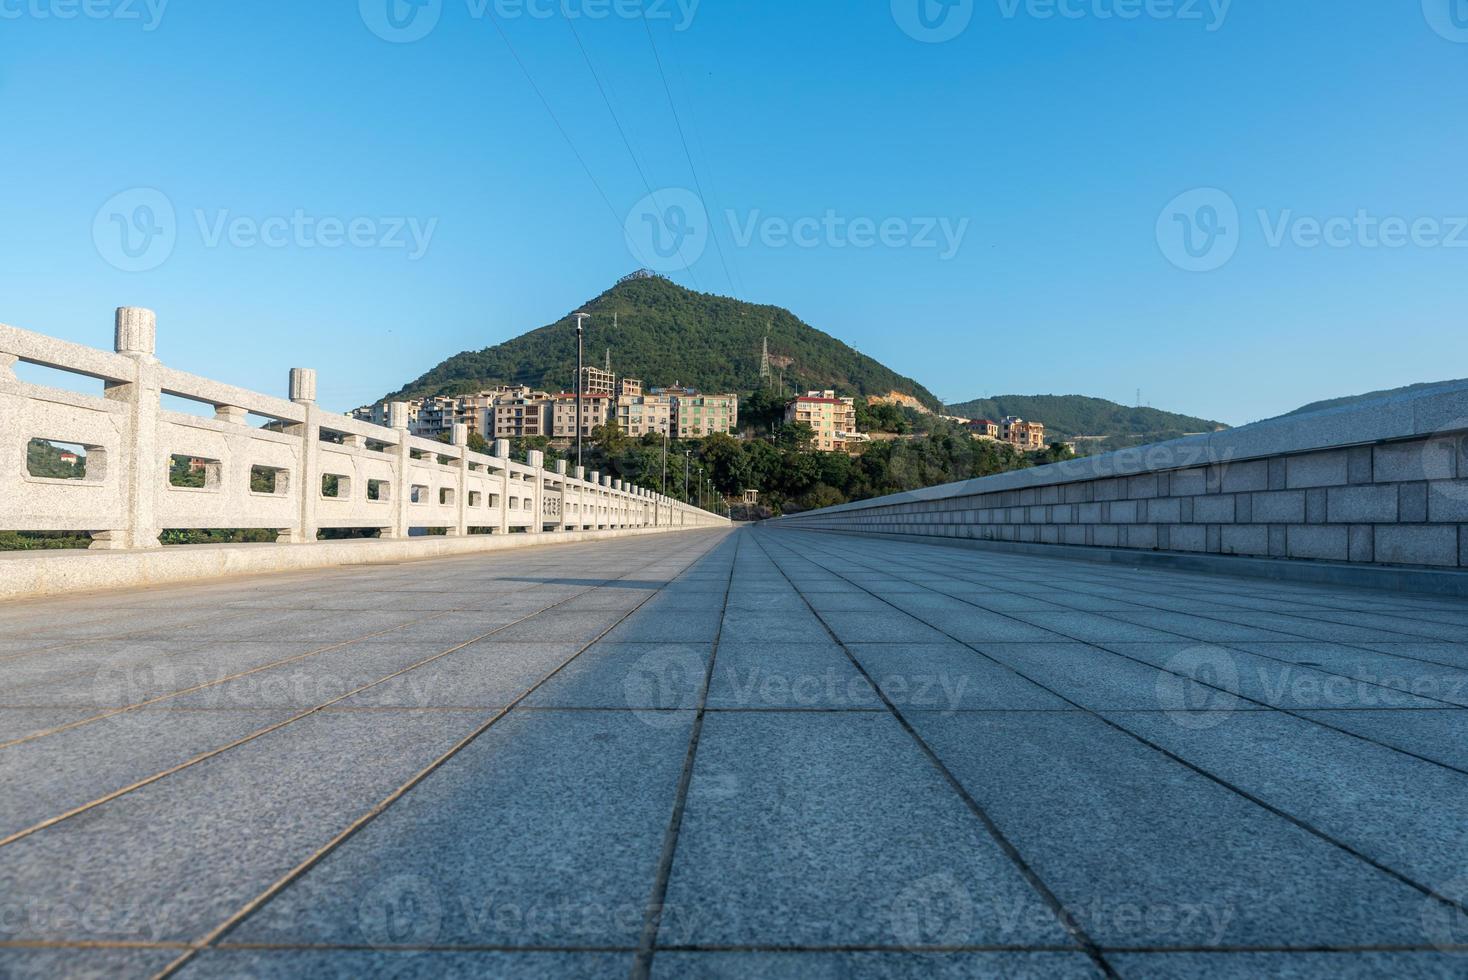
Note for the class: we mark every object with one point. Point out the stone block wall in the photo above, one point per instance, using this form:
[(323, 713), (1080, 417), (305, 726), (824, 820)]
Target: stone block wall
[(1295, 488)]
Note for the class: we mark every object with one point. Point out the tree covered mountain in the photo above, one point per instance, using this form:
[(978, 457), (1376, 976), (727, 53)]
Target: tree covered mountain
[(1068, 416), (664, 334)]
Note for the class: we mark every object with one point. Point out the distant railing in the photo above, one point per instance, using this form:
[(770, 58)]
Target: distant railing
[(264, 463)]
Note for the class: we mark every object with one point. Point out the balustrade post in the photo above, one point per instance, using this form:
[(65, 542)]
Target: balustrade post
[(400, 494), (141, 472), (565, 495), (536, 460), (502, 452), (303, 393), (580, 475), (461, 492)]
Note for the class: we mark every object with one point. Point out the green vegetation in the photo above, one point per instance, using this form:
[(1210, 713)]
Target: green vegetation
[(46, 461), (42, 540), (1068, 416), (791, 478), (664, 334)]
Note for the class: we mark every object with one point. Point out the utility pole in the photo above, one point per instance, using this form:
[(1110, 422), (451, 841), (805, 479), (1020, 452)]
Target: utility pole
[(580, 377), (665, 462), (686, 454)]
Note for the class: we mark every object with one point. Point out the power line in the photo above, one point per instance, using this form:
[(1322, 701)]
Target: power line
[(617, 120), (703, 155), (616, 219), (718, 245)]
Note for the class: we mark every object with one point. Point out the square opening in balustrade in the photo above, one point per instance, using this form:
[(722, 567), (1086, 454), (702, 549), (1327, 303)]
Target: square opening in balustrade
[(418, 494), (476, 499), (48, 459), (336, 486), (445, 497), (270, 480), (379, 490), (186, 472)]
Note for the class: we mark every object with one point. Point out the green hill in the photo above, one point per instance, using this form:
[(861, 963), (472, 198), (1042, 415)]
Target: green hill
[(1068, 416), (1370, 396), (662, 333)]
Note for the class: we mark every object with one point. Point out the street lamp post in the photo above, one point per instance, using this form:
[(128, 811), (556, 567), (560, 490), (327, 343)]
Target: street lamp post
[(686, 454), (665, 462), (580, 378)]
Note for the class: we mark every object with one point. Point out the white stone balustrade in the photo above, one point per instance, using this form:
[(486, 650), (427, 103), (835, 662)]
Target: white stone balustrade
[(384, 478)]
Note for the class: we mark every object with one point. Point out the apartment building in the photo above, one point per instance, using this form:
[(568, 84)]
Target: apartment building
[(696, 415), (520, 415), (1023, 435), (832, 419), (595, 410), (639, 414), (595, 381)]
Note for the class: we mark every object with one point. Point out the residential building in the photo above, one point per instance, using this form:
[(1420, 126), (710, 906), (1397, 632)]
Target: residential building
[(1023, 435), (832, 420), (519, 415), (985, 429), (639, 414), (595, 411), (697, 415), (595, 381), (438, 415), (630, 387)]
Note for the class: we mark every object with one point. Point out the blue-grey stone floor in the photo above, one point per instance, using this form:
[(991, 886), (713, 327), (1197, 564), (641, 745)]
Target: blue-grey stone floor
[(750, 753)]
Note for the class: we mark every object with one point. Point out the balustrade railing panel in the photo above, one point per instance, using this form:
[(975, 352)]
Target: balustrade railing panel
[(264, 462)]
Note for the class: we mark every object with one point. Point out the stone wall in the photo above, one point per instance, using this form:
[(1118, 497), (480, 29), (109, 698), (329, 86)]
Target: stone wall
[(382, 478), (1379, 484)]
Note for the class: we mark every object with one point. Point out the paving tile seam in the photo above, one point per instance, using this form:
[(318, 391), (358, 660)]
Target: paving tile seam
[(288, 660), (1182, 950), (1031, 877), (1222, 645), (642, 961), (201, 687), (265, 731), (1310, 597), (1226, 645), (249, 908), (1455, 906), (1196, 577), (1417, 637)]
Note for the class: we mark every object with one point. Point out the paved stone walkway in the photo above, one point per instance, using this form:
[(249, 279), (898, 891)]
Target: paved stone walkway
[(752, 753)]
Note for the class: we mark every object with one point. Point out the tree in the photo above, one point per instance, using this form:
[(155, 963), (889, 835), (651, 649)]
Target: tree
[(797, 436)]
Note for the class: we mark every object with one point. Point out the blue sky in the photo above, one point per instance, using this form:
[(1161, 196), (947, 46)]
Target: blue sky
[(1075, 156)]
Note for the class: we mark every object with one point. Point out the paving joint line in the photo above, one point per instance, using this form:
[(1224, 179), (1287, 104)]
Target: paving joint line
[(259, 901), (1431, 893), (1031, 877), (653, 915)]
